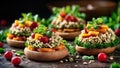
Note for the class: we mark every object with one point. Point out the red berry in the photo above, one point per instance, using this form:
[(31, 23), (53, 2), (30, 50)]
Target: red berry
[(62, 14), (8, 55), (33, 25), (16, 61), (102, 57), (33, 35), (1, 44), (44, 39), (3, 22), (71, 18), (117, 32)]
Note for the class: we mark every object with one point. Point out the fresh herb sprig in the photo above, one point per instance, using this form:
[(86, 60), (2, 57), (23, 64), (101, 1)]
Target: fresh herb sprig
[(94, 23), (30, 17)]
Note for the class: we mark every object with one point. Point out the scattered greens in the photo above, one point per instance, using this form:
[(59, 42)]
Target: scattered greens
[(88, 45), (19, 52), (70, 48), (1, 50), (88, 57), (115, 65), (3, 35)]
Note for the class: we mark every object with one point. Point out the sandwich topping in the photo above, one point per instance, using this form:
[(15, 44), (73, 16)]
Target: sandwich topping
[(45, 40), (22, 28)]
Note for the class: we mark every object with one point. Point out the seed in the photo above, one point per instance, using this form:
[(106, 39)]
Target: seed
[(61, 61), (76, 65), (77, 56), (111, 58), (85, 63), (66, 60)]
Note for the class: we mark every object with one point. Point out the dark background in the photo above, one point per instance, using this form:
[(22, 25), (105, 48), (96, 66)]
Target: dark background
[(12, 9)]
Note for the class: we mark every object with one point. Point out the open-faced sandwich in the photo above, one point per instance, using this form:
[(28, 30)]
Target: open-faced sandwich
[(68, 22), (21, 29), (95, 38), (45, 45)]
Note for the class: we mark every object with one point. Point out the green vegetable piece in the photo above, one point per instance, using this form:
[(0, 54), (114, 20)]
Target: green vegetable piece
[(19, 52), (115, 65), (49, 33), (71, 49), (40, 29), (91, 58), (99, 20), (1, 50), (89, 26), (85, 57)]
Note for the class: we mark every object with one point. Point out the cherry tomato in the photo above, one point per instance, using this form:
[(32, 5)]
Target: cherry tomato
[(33, 35), (117, 32), (33, 25), (1, 44), (102, 57), (16, 61), (71, 18), (8, 55)]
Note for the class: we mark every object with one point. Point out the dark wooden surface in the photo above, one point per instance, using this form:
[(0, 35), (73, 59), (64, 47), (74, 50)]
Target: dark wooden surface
[(26, 63)]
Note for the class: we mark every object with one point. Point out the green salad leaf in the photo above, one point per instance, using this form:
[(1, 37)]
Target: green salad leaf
[(19, 52), (40, 29), (89, 45)]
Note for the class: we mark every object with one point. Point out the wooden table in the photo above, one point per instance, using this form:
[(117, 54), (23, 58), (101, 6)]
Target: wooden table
[(26, 63)]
